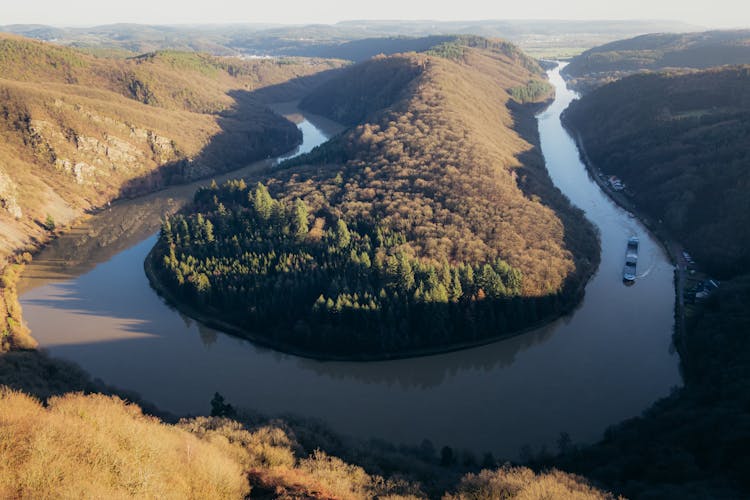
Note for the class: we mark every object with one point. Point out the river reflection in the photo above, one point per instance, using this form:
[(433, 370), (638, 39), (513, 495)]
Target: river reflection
[(605, 362)]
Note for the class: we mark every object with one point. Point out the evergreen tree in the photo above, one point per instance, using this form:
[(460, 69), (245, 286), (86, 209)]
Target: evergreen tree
[(262, 202), (299, 220), (343, 236)]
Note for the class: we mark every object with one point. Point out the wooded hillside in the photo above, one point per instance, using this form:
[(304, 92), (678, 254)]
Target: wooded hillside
[(77, 130), (680, 142), (658, 52), (431, 222)]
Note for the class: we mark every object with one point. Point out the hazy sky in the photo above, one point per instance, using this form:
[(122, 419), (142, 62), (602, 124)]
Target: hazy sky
[(710, 13)]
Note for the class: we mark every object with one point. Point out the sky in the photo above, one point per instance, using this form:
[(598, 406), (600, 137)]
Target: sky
[(713, 13)]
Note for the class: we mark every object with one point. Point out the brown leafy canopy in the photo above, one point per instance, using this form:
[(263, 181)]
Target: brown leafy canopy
[(445, 164), (681, 143), (453, 230)]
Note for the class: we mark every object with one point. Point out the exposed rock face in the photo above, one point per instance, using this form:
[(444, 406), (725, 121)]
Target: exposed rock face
[(86, 157), (8, 196)]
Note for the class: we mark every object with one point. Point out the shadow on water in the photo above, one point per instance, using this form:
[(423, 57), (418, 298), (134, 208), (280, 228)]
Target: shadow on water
[(132, 313), (250, 131)]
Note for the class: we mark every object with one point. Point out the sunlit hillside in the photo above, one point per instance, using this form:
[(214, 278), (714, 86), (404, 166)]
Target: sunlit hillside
[(433, 207), (78, 131)]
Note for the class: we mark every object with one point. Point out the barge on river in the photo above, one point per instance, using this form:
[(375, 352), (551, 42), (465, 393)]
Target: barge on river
[(631, 261)]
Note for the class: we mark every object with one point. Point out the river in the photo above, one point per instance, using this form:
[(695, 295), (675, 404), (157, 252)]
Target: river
[(87, 300)]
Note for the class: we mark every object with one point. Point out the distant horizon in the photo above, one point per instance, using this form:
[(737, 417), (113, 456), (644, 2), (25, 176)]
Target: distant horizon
[(720, 14), (262, 24)]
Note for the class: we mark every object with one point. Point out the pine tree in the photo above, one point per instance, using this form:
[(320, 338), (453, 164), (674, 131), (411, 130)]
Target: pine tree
[(300, 224), (262, 202), (343, 236)]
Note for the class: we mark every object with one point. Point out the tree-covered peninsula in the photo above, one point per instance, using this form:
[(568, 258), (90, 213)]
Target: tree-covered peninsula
[(430, 224)]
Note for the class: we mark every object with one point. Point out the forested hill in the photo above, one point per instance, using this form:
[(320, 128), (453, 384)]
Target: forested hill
[(77, 131), (658, 52), (681, 143), (430, 223)]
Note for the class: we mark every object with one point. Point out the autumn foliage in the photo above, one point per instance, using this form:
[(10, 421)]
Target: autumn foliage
[(430, 223)]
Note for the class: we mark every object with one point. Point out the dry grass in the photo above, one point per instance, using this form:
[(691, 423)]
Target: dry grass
[(521, 483), (100, 447), (269, 454), (13, 333)]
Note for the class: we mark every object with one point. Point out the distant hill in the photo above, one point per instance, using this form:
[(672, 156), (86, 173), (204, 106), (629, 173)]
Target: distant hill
[(346, 39), (360, 50), (682, 143), (434, 207), (657, 52)]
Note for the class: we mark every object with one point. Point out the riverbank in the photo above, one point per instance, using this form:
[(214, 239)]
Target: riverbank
[(14, 335), (671, 247), (229, 328)]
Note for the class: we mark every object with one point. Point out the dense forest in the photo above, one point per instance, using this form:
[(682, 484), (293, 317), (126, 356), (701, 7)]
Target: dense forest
[(401, 235), (680, 142), (657, 52)]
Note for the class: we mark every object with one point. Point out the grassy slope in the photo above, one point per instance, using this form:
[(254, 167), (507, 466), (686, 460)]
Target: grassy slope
[(100, 446), (657, 52), (681, 142)]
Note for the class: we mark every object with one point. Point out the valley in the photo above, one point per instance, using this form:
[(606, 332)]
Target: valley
[(151, 332), (378, 259)]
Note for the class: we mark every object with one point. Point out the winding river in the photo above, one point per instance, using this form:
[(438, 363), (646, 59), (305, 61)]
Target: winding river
[(87, 300)]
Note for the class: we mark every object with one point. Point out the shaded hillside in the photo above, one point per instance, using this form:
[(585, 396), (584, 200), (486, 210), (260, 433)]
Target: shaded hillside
[(76, 128), (658, 52), (680, 142), (357, 50), (692, 444), (430, 223)]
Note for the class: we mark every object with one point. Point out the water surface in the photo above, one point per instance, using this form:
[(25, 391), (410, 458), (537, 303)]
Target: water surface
[(607, 361)]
